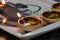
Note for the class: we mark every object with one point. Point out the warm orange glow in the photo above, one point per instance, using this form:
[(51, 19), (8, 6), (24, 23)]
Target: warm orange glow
[(3, 2), (4, 20), (1, 5), (18, 14)]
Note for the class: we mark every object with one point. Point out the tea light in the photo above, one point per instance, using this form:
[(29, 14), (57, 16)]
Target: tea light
[(2, 3), (30, 23), (8, 23), (51, 16), (19, 16), (4, 20), (56, 7)]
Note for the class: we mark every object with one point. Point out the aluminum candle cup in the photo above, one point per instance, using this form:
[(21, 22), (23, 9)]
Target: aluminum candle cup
[(56, 7), (51, 16), (30, 23)]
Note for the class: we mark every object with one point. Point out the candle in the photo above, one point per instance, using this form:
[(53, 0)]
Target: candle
[(19, 16), (2, 3), (30, 23), (4, 20), (8, 23)]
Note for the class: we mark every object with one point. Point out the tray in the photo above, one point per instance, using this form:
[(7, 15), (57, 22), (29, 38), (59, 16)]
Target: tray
[(45, 7)]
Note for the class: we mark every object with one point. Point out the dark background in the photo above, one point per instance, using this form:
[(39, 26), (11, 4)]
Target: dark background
[(53, 35)]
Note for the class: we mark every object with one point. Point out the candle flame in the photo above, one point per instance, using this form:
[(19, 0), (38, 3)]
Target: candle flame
[(18, 14), (3, 2), (4, 20)]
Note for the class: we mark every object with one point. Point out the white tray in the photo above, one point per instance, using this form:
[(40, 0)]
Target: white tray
[(45, 7)]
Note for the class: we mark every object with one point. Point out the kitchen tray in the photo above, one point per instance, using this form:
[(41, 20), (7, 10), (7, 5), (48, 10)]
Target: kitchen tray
[(45, 6)]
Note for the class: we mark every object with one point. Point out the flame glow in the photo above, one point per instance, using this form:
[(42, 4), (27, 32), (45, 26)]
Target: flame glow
[(26, 24), (18, 14), (3, 2), (4, 20)]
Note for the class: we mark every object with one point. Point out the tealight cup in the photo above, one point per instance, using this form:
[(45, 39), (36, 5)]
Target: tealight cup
[(56, 7), (30, 23), (47, 16)]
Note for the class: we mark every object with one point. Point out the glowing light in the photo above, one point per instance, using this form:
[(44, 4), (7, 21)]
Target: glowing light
[(18, 14), (3, 2), (4, 20)]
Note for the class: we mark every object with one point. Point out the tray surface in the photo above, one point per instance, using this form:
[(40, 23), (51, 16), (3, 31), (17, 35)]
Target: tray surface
[(45, 7)]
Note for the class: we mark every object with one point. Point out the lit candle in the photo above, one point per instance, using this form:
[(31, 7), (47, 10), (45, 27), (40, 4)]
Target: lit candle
[(2, 3), (30, 23), (4, 20), (19, 16), (8, 23)]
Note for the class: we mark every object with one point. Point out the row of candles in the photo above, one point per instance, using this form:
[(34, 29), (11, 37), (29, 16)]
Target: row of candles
[(31, 24), (45, 17), (1, 6), (4, 19)]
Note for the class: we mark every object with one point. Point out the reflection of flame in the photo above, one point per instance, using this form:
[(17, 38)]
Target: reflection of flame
[(4, 20), (18, 14), (26, 24), (3, 2)]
